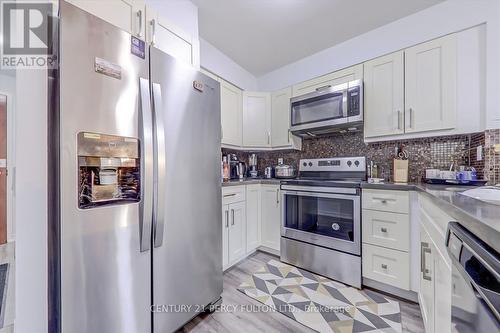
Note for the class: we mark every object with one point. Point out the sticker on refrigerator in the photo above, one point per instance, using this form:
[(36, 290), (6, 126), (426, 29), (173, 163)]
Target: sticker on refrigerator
[(138, 47), (108, 68)]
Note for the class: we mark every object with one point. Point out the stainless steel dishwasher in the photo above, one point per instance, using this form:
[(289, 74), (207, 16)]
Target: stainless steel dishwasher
[(475, 303)]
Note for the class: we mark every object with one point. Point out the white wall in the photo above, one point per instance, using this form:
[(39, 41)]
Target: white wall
[(438, 20), (219, 63)]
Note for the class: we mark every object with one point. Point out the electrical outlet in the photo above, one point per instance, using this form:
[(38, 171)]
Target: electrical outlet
[(497, 148), (479, 153)]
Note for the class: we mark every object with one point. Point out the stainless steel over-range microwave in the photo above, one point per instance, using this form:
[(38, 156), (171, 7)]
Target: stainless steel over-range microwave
[(328, 109)]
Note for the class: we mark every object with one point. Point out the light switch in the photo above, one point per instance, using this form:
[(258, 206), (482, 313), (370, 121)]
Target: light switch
[(479, 153)]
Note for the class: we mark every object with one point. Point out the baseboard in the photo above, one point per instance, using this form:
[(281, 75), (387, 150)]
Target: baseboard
[(269, 250), (398, 292)]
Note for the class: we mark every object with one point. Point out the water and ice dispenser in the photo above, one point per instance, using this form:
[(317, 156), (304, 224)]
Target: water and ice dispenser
[(109, 170)]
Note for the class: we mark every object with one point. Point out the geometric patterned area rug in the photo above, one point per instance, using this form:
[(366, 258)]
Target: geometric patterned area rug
[(320, 303)]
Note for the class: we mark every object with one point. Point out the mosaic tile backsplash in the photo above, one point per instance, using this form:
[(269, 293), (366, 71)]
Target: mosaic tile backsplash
[(433, 152)]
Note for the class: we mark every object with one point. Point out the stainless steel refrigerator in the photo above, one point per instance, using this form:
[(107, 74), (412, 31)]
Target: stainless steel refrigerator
[(135, 235)]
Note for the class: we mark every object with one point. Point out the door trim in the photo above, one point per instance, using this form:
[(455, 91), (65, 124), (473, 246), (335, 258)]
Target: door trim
[(11, 231)]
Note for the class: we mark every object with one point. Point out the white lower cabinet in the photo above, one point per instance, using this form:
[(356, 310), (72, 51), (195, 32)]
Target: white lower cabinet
[(435, 274), (253, 217), (237, 231), (386, 265), (426, 297), (271, 216), (233, 225)]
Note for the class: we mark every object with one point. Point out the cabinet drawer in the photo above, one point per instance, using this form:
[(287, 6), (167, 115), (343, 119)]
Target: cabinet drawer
[(390, 230), (231, 194), (386, 201), (391, 267)]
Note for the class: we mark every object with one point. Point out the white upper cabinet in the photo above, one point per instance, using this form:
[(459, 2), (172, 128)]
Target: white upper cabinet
[(256, 119), (128, 15), (383, 95), (281, 137), (280, 119), (430, 85), (329, 80), (171, 39), (231, 114)]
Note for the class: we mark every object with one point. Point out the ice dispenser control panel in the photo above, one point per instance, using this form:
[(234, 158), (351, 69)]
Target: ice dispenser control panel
[(108, 170)]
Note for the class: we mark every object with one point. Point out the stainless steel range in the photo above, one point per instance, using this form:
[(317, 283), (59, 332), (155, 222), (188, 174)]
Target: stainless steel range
[(321, 218)]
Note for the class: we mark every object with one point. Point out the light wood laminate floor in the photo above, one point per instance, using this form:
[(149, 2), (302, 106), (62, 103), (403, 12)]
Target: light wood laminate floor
[(248, 322)]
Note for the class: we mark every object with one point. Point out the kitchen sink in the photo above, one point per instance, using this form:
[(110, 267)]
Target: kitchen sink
[(489, 194)]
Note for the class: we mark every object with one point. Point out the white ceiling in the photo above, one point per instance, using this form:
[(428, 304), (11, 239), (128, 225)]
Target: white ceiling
[(263, 35)]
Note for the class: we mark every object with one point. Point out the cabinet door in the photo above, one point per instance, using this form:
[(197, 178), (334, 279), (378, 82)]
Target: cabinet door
[(442, 299), (430, 85), (383, 101), (280, 120), (271, 216), (231, 104), (426, 296), (225, 235), (169, 38), (237, 232), (127, 15), (256, 119), (253, 217), (325, 81)]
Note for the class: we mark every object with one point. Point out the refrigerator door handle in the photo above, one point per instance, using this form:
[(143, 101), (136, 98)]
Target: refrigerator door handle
[(146, 133), (160, 165)]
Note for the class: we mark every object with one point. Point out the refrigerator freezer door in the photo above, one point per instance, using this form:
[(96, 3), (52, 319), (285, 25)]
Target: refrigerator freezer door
[(187, 267), (105, 278)]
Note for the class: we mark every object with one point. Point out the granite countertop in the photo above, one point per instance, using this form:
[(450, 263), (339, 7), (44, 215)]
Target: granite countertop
[(481, 218), (250, 181)]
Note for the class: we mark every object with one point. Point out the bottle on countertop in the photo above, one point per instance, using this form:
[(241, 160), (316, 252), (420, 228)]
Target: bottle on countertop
[(225, 169)]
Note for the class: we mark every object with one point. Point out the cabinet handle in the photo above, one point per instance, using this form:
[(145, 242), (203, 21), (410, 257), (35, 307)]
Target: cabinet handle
[(383, 201), (268, 137), (383, 229), (289, 135), (139, 18), (227, 219), (153, 31), (424, 248), (324, 87), (399, 119), (229, 195), (384, 266), (232, 216), (411, 118), (277, 196)]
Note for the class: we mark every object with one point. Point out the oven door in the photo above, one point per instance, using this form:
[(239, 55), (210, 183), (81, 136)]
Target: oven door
[(326, 219)]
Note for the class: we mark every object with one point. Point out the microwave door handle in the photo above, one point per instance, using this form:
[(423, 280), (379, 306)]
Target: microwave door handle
[(345, 95), (146, 135), (160, 166)]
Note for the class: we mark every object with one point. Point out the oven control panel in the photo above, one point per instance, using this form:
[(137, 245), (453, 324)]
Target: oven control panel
[(333, 164)]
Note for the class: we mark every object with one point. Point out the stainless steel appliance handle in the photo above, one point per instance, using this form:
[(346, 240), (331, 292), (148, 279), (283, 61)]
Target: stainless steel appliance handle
[(139, 18), (345, 112), (320, 189), (160, 166), (232, 216), (146, 129), (323, 195)]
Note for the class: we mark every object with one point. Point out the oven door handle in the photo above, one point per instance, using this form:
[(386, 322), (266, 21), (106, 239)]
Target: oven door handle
[(322, 195)]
